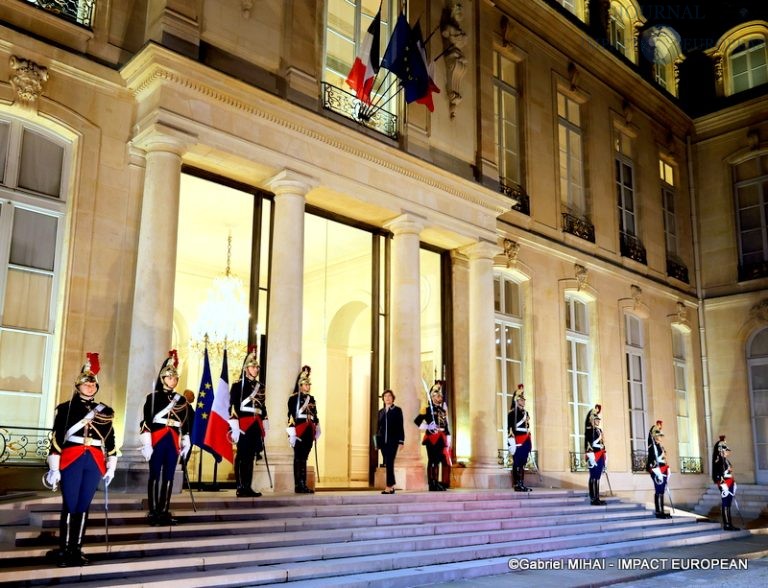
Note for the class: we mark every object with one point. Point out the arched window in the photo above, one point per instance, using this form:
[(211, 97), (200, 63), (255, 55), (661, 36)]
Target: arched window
[(740, 58), (748, 64), (33, 184), (661, 46), (624, 18)]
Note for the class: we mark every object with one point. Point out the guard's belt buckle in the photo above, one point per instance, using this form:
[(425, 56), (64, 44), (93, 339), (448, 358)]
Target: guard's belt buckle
[(87, 441)]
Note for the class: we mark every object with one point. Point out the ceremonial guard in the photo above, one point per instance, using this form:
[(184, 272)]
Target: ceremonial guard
[(594, 448), (82, 453), (303, 428), (248, 423), (722, 476), (519, 439), (437, 436), (164, 434), (656, 465)]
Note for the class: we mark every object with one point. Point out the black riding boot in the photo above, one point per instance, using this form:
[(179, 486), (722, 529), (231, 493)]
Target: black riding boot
[(432, 478), (522, 481), (59, 556), (659, 501), (307, 489), (76, 534), (165, 516), (728, 520), (595, 493)]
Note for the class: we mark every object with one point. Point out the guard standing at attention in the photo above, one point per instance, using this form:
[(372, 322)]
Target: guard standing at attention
[(303, 428), (164, 434), (248, 423), (82, 454)]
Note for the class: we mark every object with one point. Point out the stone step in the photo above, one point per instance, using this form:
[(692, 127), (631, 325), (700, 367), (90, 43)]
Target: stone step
[(398, 565), (200, 536)]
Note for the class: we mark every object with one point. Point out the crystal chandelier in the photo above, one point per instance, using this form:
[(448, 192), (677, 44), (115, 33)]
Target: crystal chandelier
[(223, 318)]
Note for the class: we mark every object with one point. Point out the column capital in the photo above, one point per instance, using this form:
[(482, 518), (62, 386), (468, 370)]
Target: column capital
[(161, 137), (289, 181), (481, 250), (406, 223)]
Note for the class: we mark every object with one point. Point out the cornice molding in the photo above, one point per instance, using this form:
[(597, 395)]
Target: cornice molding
[(150, 73)]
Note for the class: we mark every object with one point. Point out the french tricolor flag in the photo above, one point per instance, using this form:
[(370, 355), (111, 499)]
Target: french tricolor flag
[(217, 434), (366, 64)]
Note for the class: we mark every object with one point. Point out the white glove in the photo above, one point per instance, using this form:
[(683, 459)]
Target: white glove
[(423, 427), (146, 445), (318, 432), (657, 475), (109, 475), (511, 445), (724, 490), (448, 441), (234, 430), (292, 436), (432, 427), (186, 446), (265, 424), (53, 476), (591, 459)]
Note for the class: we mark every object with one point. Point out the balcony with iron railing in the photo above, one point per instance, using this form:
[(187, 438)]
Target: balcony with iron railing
[(691, 465), (578, 226), (24, 446), (79, 12), (639, 458), (753, 271), (505, 460), (677, 269), (633, 248), (516, 192), (347, 105)]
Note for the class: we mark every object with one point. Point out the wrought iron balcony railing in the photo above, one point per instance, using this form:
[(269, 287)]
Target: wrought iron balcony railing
[(677, 270), (505, 460), (516, 192), (578, 463), (639, 459), (690, 465), (753, 271), (633, 248), (347, 105), (26, 446), (579, 227), (79, 12)]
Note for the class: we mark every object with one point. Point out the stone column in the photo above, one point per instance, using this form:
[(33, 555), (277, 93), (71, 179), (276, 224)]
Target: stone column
[(285, 321), (482, 368), (405, 337), (152, 319)]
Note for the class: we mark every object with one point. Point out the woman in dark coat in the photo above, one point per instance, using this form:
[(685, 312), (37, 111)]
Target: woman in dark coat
[(390, 436)]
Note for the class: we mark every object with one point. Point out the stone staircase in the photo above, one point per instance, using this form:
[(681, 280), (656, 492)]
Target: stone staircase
[(336, 539), (752, 499)]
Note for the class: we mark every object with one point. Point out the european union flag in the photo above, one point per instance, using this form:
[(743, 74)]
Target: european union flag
[(203, 407)]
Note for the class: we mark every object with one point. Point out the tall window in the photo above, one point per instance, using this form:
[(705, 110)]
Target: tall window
[(506, 107), (578, 367), (33, 176), (571, 155), (749, 67), (574, 7), (636, 397), (347, 23), (757, 360), (509, 347), (668, 207), (617, 28), (625, 184), (685, 433), (751, 192)]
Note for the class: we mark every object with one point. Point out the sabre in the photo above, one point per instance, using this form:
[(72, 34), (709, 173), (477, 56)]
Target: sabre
[(736, 503), (669, 493), (266, 459), (608, 479), (106, 515), (189, 485), (536, 467), (317, 465)]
